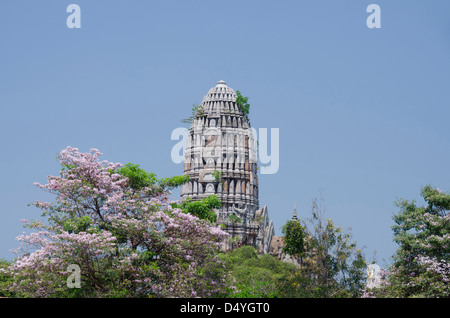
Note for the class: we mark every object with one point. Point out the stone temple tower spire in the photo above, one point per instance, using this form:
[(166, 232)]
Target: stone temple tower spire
[(220, 158), (294, 216)]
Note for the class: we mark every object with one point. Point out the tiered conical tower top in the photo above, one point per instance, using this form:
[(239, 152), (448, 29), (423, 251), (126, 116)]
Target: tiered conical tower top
[(220, 159)]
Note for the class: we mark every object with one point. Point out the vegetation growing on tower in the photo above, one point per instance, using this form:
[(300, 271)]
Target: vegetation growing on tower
[(242, 103)]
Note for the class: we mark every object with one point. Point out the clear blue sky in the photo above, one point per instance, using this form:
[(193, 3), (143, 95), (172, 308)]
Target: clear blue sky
[(363, 113)]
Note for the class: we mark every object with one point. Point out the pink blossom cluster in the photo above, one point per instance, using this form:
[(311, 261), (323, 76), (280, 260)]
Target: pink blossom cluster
[(134, 236), (441, 268), (43, 272)]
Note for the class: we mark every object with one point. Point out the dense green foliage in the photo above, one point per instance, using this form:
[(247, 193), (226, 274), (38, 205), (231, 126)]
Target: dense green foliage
[(5, 280), (254, 275), (423, 230), (294, 238), (138, 179), (132, 241), (202, 209), (330, 263), (242, 103), (421, 266), (325, 264)]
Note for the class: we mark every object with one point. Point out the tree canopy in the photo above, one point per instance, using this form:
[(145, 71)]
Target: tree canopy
[(117, 224), (330, 263), (421, 265)]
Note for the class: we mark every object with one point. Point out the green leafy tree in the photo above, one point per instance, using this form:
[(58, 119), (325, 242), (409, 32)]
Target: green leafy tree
[(116, 225), (204, 209), (423, 230), (138, 179), (421, 263), (294, 239), (332, 265), (6, 279)]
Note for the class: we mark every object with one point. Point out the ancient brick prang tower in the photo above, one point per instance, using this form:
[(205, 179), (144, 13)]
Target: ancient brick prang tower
[(220, 158)]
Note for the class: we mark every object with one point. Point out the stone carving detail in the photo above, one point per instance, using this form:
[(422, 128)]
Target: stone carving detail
[(210, 162), (240, 212), (210, 188)]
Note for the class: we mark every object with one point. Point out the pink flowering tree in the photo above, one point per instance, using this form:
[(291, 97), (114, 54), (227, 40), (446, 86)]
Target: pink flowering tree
[(421, 264), (430, 279), (118, 225)]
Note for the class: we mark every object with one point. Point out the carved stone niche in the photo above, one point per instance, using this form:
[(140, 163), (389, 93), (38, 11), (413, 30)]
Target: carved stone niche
[(225, 186), (210, 163), (231, 187), (247, 166), (210, 188), (211, 140), (195, 188)]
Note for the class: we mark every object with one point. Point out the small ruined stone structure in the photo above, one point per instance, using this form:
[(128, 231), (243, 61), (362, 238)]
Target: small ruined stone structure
[(220, 158)]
